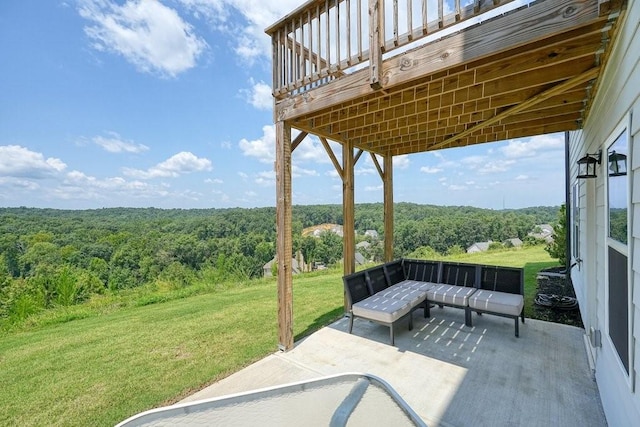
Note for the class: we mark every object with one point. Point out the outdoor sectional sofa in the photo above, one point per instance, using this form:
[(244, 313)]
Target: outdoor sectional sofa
[(389, 292)]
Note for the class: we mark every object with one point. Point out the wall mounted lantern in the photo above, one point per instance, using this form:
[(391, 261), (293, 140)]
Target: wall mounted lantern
[(587, 165), (617, 164)]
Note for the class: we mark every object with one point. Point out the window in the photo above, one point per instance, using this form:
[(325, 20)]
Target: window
[(618, 214), (618, 188)]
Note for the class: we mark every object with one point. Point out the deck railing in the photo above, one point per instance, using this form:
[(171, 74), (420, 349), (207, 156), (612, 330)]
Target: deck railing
[(324, 39)]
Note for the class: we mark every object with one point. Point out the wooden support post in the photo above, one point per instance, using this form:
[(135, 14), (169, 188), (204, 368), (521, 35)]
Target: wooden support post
[(376, 43), (284, 238), (387, 181), (348, 208)]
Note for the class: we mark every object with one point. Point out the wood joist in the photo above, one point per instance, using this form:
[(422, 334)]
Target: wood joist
[(450, 92)]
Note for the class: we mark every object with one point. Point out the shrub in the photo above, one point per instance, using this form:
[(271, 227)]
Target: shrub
[(557, 248)]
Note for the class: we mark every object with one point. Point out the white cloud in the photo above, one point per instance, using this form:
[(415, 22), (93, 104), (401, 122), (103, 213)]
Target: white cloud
[(429, 169), (496, 166), (473, 161), (259, 95), (148, 34), (374, 188), (311, 150), (263, 148), (530, 147), (179, 164), (266, 178), (401, 162), (454, 187), (18, 184), (365, 171), (522, 177), (108, 184), (213, 181), (250, 42), (332, 173), (115, 144), (297, 171), (79, 186), (20, 162)]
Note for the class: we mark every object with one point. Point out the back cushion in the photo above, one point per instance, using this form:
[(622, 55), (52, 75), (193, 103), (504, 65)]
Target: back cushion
[(356, 287), (502, 279), (394, 272), (377, 279), (459, 274), (421, 270)]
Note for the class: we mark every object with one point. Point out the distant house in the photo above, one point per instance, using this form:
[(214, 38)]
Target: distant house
[(363, 245), (317, 230), (543, 232), (297, 266), (513, 243), (479, 247), (371, 233)]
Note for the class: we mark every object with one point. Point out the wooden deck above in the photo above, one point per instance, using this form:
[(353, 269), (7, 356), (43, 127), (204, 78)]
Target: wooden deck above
[(530, 70)]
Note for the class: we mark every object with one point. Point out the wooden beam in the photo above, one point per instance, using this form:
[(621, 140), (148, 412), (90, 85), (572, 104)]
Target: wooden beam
[(332, 156), (557, 89), (283, 235), (348, 208), (357, 157), (387, 182), (376, 42), (377, 164), (301, 136)]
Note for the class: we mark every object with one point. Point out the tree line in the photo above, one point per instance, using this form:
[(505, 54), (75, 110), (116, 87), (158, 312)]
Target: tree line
[(54, 257)]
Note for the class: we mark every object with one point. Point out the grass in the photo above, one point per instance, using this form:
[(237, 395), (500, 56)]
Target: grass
[(99, 363), (532, 259)]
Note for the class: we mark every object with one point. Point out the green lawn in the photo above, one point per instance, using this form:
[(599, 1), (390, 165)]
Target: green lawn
[(108, 365)]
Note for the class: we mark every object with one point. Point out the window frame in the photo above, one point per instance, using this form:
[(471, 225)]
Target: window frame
[(623, 128)]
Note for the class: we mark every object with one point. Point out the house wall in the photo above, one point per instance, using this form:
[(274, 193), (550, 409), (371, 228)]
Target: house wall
[(617, 104)]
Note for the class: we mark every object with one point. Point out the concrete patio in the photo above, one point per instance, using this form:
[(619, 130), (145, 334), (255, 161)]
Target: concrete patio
[(450, 374)]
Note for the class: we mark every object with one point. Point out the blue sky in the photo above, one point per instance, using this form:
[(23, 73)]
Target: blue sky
[(143, 103)]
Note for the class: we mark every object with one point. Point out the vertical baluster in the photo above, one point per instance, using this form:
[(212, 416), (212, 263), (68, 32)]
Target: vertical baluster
[(319, 39), (275, 67), (457, 10), (410, 19), (360, 29), (348, 3), (395, 22), (287, 55), (440, 13), (280, 57), (425, 20), (296, 52), (311, 52), (337, 16), (303, 52), (328, 30)]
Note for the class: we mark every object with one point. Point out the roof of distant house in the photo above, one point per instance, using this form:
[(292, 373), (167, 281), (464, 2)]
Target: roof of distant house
[(316, 230)]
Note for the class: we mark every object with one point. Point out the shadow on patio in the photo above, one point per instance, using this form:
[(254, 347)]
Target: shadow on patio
[(450, 374)]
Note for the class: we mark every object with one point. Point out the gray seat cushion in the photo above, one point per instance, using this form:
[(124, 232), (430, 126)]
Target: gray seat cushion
[(413, 296), (450, 294), (381, 309), (414, 284), (497, 302)]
